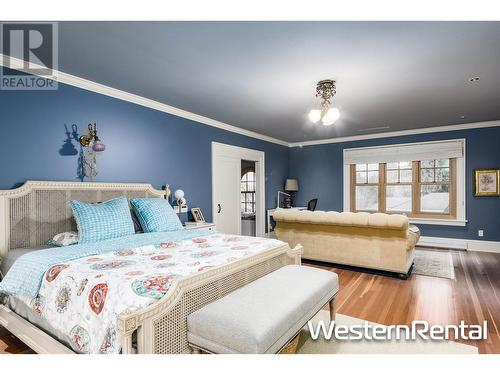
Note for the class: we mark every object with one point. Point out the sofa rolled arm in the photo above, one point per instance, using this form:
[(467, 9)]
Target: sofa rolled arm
[(413, 235)]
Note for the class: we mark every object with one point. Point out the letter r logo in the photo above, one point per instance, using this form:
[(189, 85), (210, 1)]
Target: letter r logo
[(30, 47)]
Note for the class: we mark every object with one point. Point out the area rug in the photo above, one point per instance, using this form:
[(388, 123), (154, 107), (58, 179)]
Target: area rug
[(433, 263), (308, 346)]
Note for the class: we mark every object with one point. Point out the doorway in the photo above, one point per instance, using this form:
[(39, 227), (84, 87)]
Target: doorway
[(227, 162)]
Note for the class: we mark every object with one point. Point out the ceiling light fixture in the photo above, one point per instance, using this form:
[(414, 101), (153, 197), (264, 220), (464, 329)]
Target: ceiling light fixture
[(325, 90)]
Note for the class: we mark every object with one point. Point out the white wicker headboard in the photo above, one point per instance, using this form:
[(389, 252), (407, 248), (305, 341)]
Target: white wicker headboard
[(33, 213)]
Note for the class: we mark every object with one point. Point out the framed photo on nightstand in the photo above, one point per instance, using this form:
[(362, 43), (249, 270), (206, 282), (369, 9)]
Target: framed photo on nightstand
[(197, 215)]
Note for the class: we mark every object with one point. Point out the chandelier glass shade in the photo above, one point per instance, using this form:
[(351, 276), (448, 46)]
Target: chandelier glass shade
[(325, 90), (315, 115)]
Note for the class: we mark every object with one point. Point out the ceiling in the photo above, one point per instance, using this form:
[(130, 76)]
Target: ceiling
[(261, 76)]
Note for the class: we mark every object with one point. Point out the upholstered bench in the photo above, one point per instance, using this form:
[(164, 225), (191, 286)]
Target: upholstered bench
[(265, 315)]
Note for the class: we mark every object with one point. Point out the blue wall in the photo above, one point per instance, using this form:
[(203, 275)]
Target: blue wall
[(143, 145), (319, 170)]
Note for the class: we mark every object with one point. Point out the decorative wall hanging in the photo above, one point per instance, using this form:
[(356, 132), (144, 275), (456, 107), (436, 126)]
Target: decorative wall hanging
[(91, 146), (487, 182)]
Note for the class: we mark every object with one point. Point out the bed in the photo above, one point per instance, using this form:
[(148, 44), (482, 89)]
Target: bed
[(157, 323)]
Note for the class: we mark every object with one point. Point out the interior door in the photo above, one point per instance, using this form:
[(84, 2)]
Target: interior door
[(226, 193)]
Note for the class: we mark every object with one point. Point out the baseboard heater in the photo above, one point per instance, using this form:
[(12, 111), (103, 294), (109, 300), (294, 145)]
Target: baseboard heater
[(460, 244)]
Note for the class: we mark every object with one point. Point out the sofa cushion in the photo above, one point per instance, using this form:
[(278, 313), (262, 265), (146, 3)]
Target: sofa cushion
[(358, 219), (262, 316)]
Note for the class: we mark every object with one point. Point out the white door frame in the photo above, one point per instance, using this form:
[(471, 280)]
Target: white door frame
[(252, 155)]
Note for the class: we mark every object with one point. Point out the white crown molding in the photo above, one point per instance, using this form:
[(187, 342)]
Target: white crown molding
[(145, 102), (435, 129)]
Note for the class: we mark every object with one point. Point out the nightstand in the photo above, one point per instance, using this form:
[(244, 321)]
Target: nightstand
[(209, 226)]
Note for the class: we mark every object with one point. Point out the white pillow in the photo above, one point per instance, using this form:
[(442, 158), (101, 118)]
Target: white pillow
[(64, 239)]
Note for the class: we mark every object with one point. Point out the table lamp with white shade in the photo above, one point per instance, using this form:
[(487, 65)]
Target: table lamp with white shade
[(291, 186)]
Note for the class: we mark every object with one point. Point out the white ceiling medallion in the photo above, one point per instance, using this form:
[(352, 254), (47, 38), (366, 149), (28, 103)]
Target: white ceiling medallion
[(325, 90)]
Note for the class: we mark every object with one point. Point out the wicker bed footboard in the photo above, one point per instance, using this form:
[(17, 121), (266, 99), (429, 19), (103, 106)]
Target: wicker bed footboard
[(162, 327)]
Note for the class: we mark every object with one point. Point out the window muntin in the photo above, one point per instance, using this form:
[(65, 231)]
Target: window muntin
[(367, 173), (398, 190), (435, 180), (419, 189), (399, 172), (367, 186), (248, 192)]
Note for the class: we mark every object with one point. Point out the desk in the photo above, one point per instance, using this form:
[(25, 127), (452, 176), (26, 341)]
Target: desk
[(271, 211)]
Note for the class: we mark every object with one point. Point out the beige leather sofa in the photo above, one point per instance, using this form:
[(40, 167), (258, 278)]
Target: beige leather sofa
[(376, 241)]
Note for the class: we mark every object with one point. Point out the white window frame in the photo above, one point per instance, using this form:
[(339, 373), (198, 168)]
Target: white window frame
[(460, 219)]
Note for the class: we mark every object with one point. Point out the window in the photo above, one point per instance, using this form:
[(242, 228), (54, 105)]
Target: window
[(367, 187), (435, 181), (398, 187), (248, 193), (424, 189)]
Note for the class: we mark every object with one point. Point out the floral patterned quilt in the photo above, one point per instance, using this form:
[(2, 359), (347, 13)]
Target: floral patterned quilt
[(80, 299)]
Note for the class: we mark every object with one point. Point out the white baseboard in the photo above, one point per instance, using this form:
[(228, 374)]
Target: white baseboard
[(460, 244), (450, 243), (487, 246)]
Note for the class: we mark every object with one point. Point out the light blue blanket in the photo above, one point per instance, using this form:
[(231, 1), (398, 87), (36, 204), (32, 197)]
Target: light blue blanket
[(25, 276)]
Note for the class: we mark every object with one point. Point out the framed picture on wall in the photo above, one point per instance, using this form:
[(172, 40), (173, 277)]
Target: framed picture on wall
[(197, 215), (487, 182)]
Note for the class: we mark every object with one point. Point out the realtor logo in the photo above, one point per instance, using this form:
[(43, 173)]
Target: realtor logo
[(29, 56)]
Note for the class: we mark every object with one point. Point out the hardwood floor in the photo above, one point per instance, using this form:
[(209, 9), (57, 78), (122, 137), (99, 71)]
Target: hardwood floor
[(11, 345), (474, 296)]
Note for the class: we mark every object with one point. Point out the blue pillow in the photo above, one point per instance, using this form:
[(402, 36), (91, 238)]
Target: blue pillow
[(101, 221), (155, 215)]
